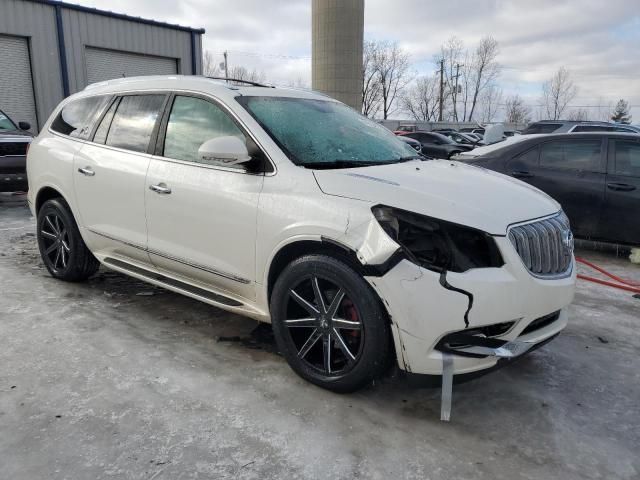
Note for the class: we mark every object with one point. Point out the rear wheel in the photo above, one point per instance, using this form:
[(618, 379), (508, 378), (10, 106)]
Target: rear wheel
[(62, 249), (329, 323)]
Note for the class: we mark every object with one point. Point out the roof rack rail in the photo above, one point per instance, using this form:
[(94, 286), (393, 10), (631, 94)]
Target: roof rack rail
[(237, 80)]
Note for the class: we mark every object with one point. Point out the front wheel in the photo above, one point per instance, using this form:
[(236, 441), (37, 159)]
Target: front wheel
[(329, 324)]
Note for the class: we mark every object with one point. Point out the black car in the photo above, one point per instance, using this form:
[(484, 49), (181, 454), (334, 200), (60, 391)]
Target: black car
[(411, 142), (14, 140), (437, 145), (594, 176), (462, 138)]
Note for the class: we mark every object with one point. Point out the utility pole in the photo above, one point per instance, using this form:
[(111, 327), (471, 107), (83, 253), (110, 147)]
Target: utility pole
[(226, 66), (455, 93), (441, 88)]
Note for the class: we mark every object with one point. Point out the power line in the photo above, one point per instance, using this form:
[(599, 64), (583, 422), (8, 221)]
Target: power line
[(264, 55)]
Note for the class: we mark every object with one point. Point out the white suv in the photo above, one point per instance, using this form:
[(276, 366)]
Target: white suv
[(289, 207)]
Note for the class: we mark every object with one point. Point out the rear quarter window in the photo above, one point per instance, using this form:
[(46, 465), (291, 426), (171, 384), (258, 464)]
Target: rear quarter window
[(76, 118)]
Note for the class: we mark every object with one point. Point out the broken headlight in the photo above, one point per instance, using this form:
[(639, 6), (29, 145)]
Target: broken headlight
[(436, 244)]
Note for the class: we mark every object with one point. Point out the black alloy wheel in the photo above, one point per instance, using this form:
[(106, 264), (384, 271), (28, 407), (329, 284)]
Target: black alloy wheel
[(62, 248), (329, 323)]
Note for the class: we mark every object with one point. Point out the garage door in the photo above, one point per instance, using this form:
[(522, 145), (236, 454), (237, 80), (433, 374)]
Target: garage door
[(107, 64), (16, 87)]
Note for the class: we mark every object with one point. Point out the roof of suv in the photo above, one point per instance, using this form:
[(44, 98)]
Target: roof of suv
[(196, 83)]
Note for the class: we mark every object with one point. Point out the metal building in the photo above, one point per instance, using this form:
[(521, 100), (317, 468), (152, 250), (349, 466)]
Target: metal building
[(51, 49), (337, 29)]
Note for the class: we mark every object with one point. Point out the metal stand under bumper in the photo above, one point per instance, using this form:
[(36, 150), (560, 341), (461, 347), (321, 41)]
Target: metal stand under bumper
[(467, 345)]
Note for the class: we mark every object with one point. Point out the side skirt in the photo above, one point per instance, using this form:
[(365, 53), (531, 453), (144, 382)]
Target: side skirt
[(187, 289)]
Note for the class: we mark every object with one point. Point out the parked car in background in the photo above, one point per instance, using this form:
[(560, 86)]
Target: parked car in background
[(459, 137), (478, 130), (406, 128), (511, 133), (291, 208), (570, 126), (14, 142), (411, 142), (594, 176), (437, 145)]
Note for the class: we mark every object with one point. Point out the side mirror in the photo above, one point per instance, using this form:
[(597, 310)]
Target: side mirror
[(24, 125), (224, 151)]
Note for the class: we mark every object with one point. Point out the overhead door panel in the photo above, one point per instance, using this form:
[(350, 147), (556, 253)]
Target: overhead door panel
[(16, 87), (107, 64)]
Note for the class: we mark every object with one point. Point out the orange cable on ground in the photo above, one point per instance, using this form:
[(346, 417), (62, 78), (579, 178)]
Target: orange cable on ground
[(622, 284)]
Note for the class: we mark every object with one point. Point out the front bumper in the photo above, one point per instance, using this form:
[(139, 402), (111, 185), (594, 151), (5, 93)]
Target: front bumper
[(423, 312)]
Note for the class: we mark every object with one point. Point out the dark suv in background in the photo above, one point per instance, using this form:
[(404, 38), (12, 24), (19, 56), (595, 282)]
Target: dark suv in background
[(594, 176), (14, 141), (570, 126)]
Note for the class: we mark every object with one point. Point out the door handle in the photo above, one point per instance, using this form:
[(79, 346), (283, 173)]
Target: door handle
[(620, 187), (160, 188), (521, 174), (88, 171)]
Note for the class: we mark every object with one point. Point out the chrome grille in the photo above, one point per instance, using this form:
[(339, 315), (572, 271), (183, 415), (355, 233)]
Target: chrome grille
[(545, 246)]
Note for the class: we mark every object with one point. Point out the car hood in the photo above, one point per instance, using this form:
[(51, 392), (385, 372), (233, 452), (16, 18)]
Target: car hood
[(443, 189)]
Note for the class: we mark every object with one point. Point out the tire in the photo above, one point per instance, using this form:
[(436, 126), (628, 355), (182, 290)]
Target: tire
[(62, 249), (351, 324)]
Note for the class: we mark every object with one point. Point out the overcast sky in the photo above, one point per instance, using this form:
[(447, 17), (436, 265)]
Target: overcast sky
[(597, 40)]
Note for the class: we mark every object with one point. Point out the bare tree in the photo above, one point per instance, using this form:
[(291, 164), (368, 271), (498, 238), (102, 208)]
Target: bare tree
[(557, 93), (484, 70), (210, 67), (371, 88), (392, 67), (421, 99), (579, 115), (516, 111), (453, 58), (490, 100), (241, 73)]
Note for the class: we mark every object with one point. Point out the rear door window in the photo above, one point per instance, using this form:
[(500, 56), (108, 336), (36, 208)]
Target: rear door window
[(627, 158), (134, 121), (75, 118), (579, 154), (526, 160)]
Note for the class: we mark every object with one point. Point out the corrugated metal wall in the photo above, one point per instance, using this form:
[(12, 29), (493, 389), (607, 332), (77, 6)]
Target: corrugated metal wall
[(36, 22), (83, 30)]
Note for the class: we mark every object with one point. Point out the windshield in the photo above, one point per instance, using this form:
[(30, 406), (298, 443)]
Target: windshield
[(325, 134), (5, 123)]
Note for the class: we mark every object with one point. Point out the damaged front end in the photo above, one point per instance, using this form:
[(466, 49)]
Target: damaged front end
[(459, 298)]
